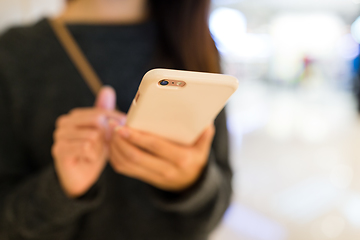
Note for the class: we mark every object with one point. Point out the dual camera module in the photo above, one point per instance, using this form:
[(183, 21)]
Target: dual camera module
[(175, 83), (164, 82)]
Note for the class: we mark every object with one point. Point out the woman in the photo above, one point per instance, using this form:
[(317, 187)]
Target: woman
[(88, 178)]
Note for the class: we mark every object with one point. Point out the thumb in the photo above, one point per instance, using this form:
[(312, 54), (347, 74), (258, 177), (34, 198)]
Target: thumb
[(106, 99), (206, 138)]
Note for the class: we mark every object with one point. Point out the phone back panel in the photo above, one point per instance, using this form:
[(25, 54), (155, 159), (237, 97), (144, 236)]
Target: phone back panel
[(179, 113)]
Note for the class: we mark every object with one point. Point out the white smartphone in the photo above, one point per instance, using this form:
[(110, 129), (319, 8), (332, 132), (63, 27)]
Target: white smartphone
[(179, 105)]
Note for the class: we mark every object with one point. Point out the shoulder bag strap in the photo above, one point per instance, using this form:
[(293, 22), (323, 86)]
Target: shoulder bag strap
[(76, 55)]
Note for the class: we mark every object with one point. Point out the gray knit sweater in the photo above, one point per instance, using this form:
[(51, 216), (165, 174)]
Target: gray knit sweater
[(38, 83)]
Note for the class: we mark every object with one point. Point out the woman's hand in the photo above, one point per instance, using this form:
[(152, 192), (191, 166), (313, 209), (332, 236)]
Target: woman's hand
[(159, 162), (80, 147)]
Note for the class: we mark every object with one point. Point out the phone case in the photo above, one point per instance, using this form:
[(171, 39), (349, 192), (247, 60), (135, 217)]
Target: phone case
[(179, 113)]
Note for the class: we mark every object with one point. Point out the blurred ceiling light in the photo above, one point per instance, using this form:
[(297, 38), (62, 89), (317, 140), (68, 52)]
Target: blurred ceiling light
[(355, 29), (228, 27), (315, 33)]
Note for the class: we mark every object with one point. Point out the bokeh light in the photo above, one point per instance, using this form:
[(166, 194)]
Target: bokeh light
[(229, 28)]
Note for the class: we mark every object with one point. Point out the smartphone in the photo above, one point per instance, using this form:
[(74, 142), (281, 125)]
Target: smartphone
[(179, 105)]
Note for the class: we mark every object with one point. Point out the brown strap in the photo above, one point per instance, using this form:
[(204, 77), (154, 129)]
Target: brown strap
[(76, 55)]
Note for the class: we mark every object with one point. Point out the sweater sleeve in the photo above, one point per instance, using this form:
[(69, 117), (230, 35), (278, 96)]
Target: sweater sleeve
[(32, 203), (210, 196)]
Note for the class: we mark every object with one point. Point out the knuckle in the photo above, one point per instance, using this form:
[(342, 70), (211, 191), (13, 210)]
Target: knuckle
[(94, 136), (133, 156), (75, 111), (56, 134), (84, 147), (68, 161), (57, 148), (169, 175), (153, 145), (199, 162), (61, 120), (185, 159)]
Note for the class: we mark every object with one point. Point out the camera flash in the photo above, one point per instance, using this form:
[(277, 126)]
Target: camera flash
[(179, 83)]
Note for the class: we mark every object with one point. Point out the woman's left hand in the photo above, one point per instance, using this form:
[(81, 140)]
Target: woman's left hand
[(157, 161)]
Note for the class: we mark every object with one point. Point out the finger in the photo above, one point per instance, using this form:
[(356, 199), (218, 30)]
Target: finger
[(110, 130), (90, 112), (121, 165), (143, 159), (106, 98), (77, 150), (151, 143), (205, 139), (93, 135), (96, 118)]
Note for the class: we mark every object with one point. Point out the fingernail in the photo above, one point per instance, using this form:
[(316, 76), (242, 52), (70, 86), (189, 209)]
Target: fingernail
[(106, 98)]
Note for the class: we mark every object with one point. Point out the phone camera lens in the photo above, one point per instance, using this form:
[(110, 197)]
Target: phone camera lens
[(164, 82)]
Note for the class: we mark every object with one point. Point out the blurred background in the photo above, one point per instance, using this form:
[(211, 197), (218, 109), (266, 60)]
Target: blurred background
[(294, 121)]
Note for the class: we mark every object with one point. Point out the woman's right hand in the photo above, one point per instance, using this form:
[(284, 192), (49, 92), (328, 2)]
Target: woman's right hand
[(80, 143)]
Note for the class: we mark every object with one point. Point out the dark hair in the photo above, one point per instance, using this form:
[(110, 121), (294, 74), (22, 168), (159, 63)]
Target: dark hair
[(184, 33)]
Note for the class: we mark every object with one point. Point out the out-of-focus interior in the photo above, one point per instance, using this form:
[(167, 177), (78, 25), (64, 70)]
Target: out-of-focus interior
[(293, 122)]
